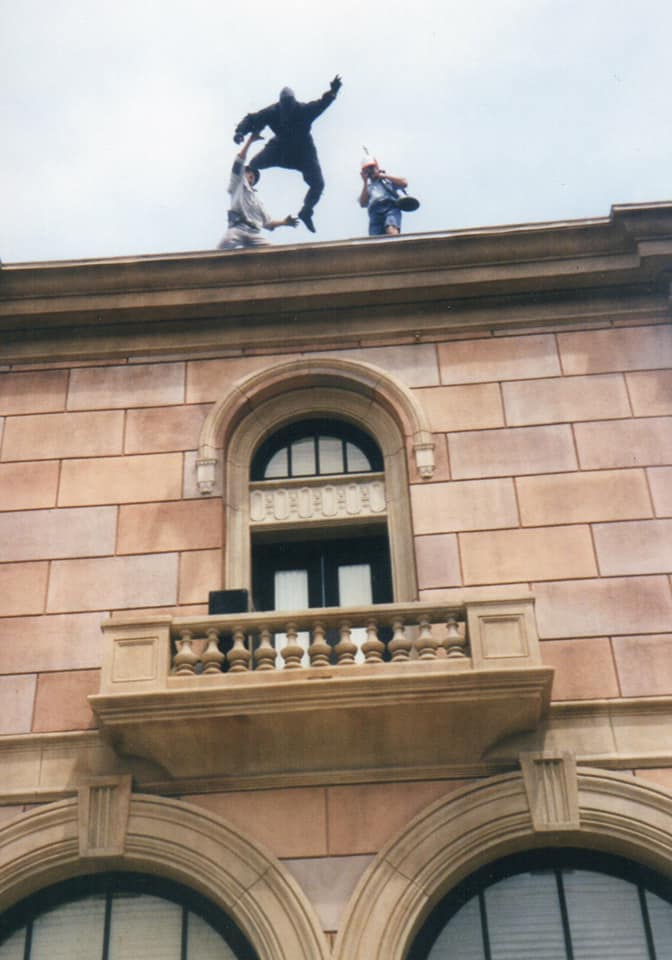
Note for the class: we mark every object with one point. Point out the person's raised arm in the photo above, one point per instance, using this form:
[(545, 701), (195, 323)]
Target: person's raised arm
[(253, 137), (315, 107), (251, 123), (400, 182)]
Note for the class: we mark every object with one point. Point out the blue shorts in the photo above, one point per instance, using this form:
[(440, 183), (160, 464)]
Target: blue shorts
[(381, 215)]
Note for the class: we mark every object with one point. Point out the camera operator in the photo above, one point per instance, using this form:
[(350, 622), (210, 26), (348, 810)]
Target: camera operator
[(380, 193)]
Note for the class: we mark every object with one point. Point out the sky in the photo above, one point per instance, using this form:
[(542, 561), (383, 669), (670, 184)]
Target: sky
[(117, 116)]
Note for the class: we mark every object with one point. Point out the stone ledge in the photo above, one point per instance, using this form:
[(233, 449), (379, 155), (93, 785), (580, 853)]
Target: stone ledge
[(40, 768)]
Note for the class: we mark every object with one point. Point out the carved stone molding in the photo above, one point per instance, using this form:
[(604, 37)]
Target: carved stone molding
[(552, 790), (103, 816), (347, 498), (371, 384)]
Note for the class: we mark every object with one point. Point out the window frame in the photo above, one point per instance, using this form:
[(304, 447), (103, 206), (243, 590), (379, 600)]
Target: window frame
[(260, 420), (530, 861), (321, 557), (315, 429), (25, 912)]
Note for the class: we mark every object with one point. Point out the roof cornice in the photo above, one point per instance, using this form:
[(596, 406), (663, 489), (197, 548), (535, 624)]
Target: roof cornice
[(355, 288)]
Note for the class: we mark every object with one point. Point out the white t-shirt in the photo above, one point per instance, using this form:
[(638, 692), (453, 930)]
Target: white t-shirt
[(244, 198)]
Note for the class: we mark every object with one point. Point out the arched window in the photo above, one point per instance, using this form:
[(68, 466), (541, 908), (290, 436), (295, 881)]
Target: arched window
[(119, 917), (368, 410), (334, 551), (316, 448), (552, 905)]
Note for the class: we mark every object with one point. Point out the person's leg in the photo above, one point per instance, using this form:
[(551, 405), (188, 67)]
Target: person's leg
[(254, 238), (392, 221), (376, 221), (312, 175), (230, 240), (237, 238), (268, 156)]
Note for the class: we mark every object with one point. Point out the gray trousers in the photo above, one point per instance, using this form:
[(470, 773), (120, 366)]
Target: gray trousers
[(240, 237)]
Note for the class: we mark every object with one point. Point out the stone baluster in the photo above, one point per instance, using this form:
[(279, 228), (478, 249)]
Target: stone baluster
[(346, 648), (264, 655), (399, 646), (319, 650), (185, 659), (373, 648), (426, 644), (212, 656), (238, 656), (453, 643), (292, 652)]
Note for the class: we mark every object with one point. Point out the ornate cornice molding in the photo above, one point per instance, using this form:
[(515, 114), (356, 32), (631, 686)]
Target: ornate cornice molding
[(417, 286)]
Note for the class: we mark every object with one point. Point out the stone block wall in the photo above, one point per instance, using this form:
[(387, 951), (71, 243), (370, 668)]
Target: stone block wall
[(554, 471)]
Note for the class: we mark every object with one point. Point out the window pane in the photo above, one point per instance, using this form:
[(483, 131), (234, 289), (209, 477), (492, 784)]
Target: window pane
[(355, 588), (354, 584), (291, 590), (291, 593), (145, 927), (331, 455), (460, 939), (12, 949), (660, 916), (72, 932), (204, 943), (303, 458), (524, 920), (277, 465), (604, 917), (358, 462)]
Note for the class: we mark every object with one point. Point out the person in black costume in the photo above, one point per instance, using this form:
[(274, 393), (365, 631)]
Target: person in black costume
[(292, 147)]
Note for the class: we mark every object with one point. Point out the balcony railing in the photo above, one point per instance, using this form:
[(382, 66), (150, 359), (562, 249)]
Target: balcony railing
[(409, 687), (318, 638)]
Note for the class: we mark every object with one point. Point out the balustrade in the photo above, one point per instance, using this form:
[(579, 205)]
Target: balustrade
[(318, 638), (261, 694)]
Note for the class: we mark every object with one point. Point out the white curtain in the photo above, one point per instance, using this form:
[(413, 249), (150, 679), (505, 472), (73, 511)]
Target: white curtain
[(291, 593), (355, 589)]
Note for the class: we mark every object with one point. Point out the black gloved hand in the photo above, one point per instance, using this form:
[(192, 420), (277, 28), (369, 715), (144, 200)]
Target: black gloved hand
[(336, 84), (238, 138)]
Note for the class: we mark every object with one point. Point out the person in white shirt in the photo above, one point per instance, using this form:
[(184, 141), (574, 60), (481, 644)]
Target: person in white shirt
[(247, 214)]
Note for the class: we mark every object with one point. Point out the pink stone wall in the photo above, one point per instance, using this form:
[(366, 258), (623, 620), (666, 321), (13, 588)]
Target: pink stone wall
[(554, 472), (559, 480)]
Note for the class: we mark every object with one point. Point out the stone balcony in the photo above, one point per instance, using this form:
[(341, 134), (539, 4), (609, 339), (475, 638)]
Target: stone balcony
[(404, 689)]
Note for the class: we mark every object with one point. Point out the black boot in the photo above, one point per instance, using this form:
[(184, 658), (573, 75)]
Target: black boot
[(306, 217)]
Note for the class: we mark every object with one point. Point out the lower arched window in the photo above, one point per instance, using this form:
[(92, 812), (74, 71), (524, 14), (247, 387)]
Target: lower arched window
[(119, 917), (552, 905)]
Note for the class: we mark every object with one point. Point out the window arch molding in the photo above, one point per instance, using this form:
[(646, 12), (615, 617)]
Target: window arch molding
[(179, 842), (266, 401), (481, 824)]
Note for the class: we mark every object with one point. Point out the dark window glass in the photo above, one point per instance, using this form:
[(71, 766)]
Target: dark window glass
[(295, 575), (552, 905), (315, 448), (119, 917)]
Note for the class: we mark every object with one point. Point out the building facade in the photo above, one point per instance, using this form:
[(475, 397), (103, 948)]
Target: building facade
[(336, 599)]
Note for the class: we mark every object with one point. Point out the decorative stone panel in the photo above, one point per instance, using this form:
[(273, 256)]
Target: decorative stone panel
[(285, 502)]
